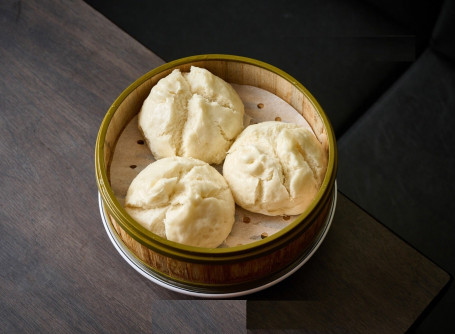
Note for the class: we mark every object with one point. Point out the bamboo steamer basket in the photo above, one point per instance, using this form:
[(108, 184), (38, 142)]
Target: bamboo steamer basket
[(228, 269)]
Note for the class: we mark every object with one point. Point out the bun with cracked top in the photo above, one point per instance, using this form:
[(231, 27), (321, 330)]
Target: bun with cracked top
[(194, 114), (184, 200), (275, 168)]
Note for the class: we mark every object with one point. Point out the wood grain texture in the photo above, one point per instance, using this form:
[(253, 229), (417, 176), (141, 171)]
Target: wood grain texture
[(242, 271), (204, 316), (363, 279), (61, 66)]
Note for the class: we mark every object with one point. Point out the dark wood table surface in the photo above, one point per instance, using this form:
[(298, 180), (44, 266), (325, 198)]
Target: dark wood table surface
[(61, 66)]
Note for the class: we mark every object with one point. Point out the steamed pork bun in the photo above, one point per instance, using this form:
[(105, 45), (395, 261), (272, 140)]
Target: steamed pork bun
[(194, 114), (275, 168), (184, 200)]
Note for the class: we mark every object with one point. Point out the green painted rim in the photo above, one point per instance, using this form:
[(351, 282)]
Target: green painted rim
[(213, 255)]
